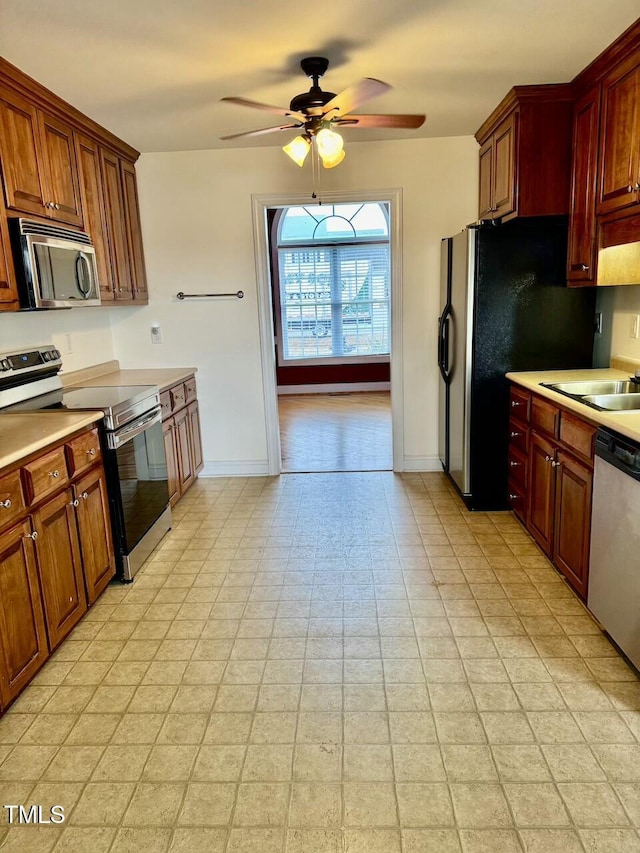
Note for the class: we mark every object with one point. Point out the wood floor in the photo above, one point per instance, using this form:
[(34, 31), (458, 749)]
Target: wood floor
[(336, 432)]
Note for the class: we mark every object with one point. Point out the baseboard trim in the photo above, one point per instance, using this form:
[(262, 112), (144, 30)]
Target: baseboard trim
[(238, 468), (422, 463), (333, 388)]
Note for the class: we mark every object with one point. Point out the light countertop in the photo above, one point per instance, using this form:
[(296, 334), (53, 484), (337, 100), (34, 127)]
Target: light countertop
[(24, 433), (625, 423), (162, 377)]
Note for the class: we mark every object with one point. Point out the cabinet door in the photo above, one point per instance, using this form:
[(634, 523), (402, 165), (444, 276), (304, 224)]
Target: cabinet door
[(171, 454), (134, 231), (8, 287), (24, 185), (94, 527), (183, 444), (572, 521), (581, 259), (93, 205), (23, 640), (114, 210), (504, 167), (485, 204), (620, 137), (195, 437), (541, 490), (59, 566), (61, 175)]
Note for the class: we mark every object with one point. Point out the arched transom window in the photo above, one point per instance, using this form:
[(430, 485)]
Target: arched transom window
[(334, 282)]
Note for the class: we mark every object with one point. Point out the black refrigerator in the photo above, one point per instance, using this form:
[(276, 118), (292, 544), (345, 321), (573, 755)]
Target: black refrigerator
[(504, 305)]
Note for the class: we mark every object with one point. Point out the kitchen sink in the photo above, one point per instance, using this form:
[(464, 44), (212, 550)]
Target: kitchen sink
[(614, 402), (596, 387)]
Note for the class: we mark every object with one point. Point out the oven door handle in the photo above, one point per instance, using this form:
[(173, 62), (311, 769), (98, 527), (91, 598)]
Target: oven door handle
[(130, 431)]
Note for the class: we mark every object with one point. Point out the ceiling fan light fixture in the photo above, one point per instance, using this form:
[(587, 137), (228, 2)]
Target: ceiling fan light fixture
[(329, 143), (298, 149), (331, 162)]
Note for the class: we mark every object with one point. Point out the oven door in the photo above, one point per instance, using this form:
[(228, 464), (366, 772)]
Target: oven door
[(138, 480), (63, 273)]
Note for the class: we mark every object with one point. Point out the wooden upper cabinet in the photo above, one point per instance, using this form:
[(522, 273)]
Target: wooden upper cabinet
[(619, 174), (8, 287), (581, 258), (116, 227), (88, 156), (22, 174), (527, 136), (61, 173), (38, 159), (134, 231)]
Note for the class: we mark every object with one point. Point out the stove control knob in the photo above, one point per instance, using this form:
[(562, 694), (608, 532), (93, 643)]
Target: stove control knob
[(55, 353), (4, 364), (46, 355)]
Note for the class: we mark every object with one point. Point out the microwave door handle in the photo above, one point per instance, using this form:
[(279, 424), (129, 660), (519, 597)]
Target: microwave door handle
[(82, 261)]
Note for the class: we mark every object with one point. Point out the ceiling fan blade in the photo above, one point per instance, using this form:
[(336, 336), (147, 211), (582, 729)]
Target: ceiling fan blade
[(399, 121), (257, 105), (264, 130), (351, 98)]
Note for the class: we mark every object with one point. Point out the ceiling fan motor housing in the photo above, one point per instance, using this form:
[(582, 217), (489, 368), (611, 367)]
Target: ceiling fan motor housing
[(314, 67)]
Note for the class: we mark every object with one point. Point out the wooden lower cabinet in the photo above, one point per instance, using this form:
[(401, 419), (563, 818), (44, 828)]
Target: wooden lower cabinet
[(59, 565), (541, 491), (571, 537), (94, 528), (182, 437), (23, 640)]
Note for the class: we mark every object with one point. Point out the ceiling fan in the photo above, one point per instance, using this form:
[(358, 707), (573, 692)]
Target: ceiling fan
[(318, 114)]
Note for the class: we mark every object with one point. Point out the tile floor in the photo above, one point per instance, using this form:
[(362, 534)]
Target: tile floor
[(326, 663), (336, 432)]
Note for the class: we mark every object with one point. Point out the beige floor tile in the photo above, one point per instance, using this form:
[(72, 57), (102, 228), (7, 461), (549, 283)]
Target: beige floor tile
[(465, 763), (207, 804), (455, 727), (138, 728), (554, 727), (25, 763), (366, 727), (102, 804), (507, 727), (228, 728), (592, 804), (169, 763), (573, 763), (74, 764), (314, 841), (121, 764), (317, 763), (423, 804), (370, 804), (551, 841), (30, 839), (146, 840), (261, 804), (264, 763), (418, 763), (79, 839), (370, 763), (536, 804), (430, 841), (198, 840), (315, 805), (371, 841), (319, 728), (255, 841), (480, 805)]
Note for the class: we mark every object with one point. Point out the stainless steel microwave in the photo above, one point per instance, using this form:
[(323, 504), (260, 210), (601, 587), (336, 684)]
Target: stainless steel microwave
[(56, 267)]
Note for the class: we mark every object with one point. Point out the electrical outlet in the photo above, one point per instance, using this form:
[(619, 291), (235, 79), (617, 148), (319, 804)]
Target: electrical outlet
[(156, 334), (635, 326)]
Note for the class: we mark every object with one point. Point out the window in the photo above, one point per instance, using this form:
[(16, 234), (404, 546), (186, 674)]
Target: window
[(334, 282)]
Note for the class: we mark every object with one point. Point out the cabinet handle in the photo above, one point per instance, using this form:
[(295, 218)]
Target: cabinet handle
[(57, 206), (637, 187), (556, 464), (55, 474), (84, 496), (514, 497), (514, 433), (516, 403), (548, 458), (629, 189), (584, 267), (76, 502), (5, 504), (513, 464), (91, 451), (33, 535)]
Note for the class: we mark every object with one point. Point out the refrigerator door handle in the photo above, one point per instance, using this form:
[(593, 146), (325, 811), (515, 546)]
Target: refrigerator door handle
[(443, 344)]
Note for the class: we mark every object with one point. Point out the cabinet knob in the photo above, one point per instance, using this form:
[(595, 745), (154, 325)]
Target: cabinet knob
[(33, 535), (91, 451), (629, 189), (556, 464), (76, 502), (548, 458), (516, 403), (5, 504), (514, 433), (84, 496), (513, 464), (584, 267), (637, 187), (57, 206), (55, 474), (514, 497)]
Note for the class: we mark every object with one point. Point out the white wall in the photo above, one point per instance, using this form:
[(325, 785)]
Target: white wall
[(197, 230), (626, 303), (90, 331)]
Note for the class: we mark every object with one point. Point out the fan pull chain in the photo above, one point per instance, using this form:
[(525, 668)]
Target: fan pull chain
[(315, 171)]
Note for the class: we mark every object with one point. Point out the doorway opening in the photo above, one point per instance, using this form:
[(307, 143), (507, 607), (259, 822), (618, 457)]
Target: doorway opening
[(330, 321)]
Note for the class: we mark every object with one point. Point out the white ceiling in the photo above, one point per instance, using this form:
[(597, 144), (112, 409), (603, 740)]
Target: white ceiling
[(153, 71)]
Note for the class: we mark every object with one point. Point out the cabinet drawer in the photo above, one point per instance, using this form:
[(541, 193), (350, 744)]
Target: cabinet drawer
[(517, 499), (165, 404), (190, 391), (83, 451), (577, 435), (520, 404), (545, 417), (45, 475), (518, 435), (178, 397), (12, 503), (518, 466)]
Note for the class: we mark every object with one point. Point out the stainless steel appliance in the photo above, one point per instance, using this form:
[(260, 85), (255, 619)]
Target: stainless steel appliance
[(132, 442), (56, 266), (614, 566), (504, 305)]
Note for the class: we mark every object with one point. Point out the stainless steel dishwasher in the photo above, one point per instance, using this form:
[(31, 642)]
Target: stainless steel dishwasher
[(614, 567)]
